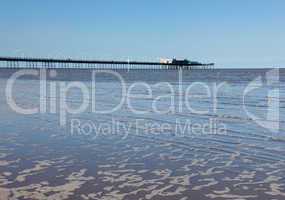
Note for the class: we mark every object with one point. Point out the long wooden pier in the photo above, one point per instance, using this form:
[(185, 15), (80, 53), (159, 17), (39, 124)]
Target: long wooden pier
[(51, 63)]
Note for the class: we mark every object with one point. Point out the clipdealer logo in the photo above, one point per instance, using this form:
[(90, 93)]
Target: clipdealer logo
[(271, 121), (54, 96)]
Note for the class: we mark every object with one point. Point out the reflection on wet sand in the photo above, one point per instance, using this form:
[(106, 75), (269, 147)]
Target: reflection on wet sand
[(134, 171)]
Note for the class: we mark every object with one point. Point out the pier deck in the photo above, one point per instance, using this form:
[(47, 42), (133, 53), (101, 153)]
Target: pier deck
[(52, 63)]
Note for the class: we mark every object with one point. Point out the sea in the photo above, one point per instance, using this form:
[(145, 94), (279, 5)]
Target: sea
[(142, 134)]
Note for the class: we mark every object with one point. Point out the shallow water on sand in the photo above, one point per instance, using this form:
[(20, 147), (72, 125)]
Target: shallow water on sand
[(127, 155)]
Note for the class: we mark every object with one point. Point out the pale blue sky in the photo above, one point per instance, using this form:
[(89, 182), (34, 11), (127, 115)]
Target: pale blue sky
[(243, 33)]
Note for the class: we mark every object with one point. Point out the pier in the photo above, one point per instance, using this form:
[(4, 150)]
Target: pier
[(52, 63)]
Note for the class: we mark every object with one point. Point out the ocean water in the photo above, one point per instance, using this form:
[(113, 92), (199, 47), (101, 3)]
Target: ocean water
[(200, 134)]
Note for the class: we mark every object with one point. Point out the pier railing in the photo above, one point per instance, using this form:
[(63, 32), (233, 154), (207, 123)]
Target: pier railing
[(52, 63)]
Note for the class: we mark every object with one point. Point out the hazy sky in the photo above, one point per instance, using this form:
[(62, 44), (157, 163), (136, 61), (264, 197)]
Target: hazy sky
[(241, 33)]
